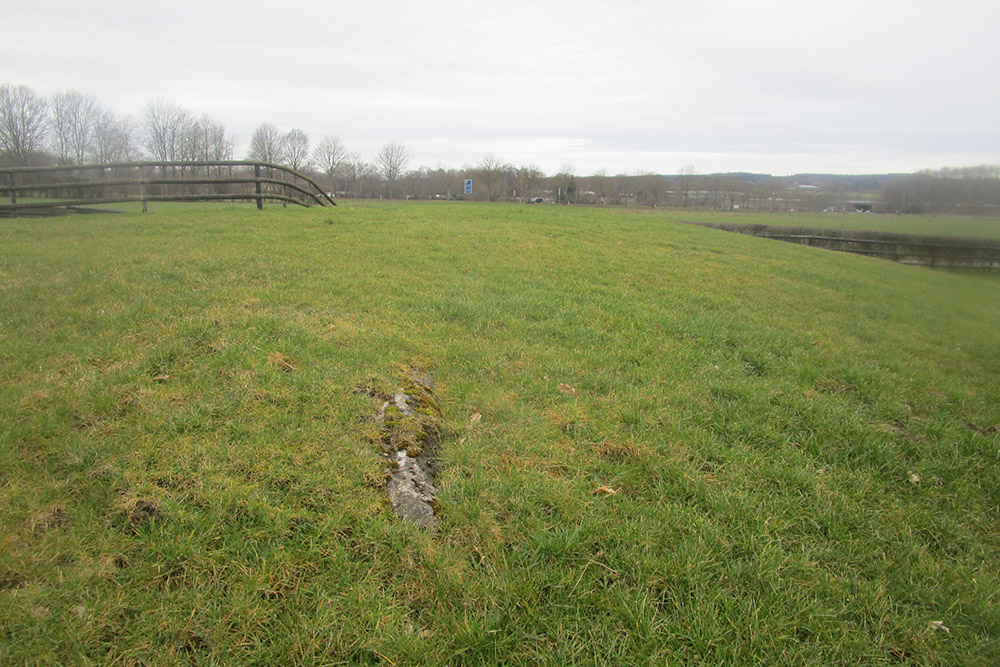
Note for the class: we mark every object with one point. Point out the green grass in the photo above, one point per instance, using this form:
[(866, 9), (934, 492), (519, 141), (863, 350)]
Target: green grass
[(965, 226), (168, 495)]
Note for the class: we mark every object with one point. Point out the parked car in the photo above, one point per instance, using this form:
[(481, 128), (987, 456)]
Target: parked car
[(535, 200)]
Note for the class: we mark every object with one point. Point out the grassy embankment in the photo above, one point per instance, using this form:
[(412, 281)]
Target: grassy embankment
[(663, 443)]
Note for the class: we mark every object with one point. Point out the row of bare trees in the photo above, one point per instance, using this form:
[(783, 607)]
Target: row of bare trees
[(342, 170), (23, 123), (70, 128), (963, 190), (74, 128), (496, 180)]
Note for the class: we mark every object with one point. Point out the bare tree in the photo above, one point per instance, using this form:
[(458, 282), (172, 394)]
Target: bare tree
[(328, 155), (164, 125), (74, 121), (965, 190), (599, 185), (443, 183), (265, 144), (491, 172), (22, 122), (530, 176), (207, 140), (653, 186), (359, 174), (114, 139), (222, 147), (391, 161), (637, 185), (295, 148), (685, 182), (59, 125), (565, 182)]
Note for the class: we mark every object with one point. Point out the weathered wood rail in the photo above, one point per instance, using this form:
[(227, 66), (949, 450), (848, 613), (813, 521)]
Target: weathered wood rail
[(931, 251), (52, 189)]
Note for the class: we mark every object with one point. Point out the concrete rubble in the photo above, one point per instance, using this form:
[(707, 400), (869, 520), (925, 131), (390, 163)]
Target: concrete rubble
[(410, 426)]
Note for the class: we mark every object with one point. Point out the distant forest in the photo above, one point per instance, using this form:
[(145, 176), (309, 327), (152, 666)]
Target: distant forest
[(75, 128)]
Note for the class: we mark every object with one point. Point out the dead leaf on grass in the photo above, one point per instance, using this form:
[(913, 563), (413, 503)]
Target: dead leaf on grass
[(566, 389), (606, 490), (610, 449), (281, 361), (939, 625), (914, 477), (475, 418), (479, 555)]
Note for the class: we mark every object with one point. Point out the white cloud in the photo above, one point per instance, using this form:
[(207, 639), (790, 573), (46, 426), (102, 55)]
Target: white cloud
[(774, 85)]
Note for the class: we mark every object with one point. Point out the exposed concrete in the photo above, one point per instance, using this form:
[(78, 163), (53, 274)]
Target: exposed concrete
[(411, 432)]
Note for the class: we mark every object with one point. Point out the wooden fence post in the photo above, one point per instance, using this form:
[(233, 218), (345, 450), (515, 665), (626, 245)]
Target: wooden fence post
[(256, 175), (13, 192), (142, 191)]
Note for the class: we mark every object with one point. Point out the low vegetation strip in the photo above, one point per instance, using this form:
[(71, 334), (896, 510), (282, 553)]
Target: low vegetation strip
[(934, 251), (662, 444)]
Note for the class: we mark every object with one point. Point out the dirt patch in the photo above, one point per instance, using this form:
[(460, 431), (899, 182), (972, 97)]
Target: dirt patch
[(143, 512), (137, 512), (10, 580)]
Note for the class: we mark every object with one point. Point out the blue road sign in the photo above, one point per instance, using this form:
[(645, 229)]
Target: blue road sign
[(468, 186)]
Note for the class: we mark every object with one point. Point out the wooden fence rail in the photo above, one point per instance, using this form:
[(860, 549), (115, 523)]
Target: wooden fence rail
[(69, 186)]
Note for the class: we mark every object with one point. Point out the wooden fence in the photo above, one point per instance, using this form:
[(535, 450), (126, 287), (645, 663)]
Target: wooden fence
[(51, 190)]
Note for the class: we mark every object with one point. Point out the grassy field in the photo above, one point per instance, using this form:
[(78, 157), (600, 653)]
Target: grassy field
[(663, 444)]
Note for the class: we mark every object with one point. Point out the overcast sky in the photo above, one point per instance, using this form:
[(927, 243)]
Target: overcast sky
[(774, 86)]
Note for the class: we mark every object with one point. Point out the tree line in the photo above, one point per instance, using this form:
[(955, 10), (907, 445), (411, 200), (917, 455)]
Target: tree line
[(962, 190), (71, 127)]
